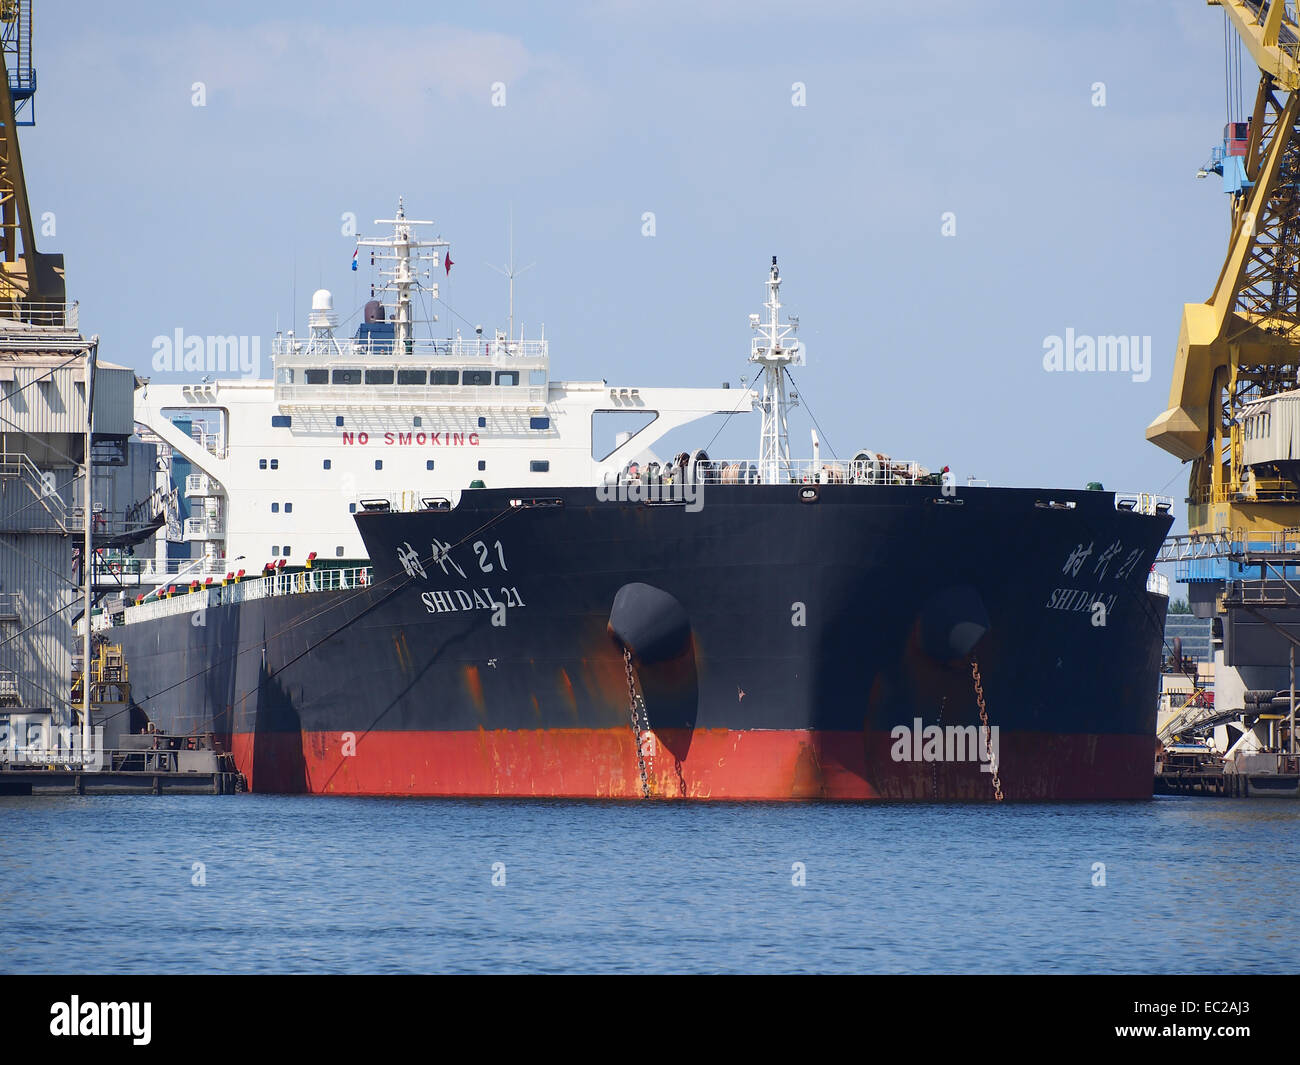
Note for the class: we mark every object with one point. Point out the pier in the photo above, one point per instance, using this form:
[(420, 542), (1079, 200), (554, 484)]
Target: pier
[(126, 772), (1264, 775)]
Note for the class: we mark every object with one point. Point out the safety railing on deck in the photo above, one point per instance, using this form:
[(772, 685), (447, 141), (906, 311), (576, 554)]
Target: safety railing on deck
[(385, 348), (1143, 502), (878, 469), (184, 601)]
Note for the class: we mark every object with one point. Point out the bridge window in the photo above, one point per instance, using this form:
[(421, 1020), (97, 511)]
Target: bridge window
[(379, 464), (482, 465), (275, 508), (288, 508), (379, 377), (338, 551), (410, 377), (275, 464), (261, 464), (352, 508), (281, 421), (482, 423), (275, 549), (347, 377), (327, 464), (507, 377), (428, 464), (477, 377), (317, 377), (539, 466), (339, 421), (539, 423), (417, 422), (444, 377)]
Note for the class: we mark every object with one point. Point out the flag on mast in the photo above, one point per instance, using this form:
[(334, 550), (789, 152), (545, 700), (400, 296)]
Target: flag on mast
[(354, 257), (448, 264)]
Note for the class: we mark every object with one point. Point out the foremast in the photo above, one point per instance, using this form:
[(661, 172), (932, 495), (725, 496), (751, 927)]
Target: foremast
[(774, 349)]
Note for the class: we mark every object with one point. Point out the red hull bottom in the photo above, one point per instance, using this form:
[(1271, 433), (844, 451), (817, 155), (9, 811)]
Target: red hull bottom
[(719, 765)]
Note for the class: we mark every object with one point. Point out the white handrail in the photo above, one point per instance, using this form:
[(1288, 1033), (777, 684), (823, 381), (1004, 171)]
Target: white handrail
[(184, 601)]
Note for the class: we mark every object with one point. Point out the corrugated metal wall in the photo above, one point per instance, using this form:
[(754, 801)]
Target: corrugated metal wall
[(42, 397), (114, 400), (34, 573)]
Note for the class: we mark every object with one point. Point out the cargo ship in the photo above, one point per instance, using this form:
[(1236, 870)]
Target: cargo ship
[(465, 593)]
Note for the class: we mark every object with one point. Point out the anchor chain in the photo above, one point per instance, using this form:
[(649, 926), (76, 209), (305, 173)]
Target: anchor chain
[(640, 722), (988, 733)]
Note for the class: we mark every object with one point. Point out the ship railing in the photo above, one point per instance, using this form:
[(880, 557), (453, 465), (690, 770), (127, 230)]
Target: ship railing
[(880, 469), (1158, 583), (200, 484), (1143, 502), (203, 529), (153, 569), (185, 601), (384, 352)]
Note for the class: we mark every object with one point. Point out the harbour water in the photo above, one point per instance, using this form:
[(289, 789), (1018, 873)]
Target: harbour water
[(196, 884)]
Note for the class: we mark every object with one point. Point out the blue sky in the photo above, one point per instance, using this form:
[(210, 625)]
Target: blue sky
[(1069, 216)]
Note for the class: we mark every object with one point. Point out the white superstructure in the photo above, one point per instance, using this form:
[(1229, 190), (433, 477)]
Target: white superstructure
[(280, 465)]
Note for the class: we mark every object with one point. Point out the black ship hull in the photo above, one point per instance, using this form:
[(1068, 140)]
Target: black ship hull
[(779, 642)]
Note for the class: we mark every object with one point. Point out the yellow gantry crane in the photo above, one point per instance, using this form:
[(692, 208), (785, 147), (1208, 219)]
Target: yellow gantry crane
[(31, 283), (1243, 343)]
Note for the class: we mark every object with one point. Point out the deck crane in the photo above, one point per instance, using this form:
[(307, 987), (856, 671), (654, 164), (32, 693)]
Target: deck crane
[(1243, 344)]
